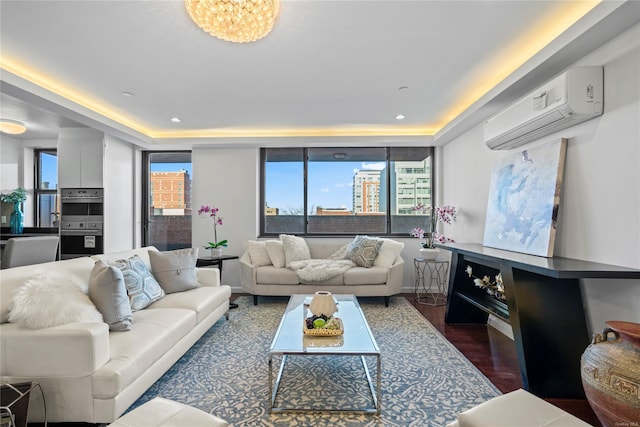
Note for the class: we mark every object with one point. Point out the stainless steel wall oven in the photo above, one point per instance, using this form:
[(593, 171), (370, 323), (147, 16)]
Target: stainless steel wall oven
[(81, 222)]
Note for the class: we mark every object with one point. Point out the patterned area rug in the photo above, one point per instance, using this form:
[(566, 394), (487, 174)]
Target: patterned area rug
[(426, 381)]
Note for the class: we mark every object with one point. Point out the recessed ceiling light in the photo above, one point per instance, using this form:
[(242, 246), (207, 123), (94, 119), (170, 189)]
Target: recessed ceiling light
[(12, 127), (401, 88), (127, 94), (400, 117), (175, 120)]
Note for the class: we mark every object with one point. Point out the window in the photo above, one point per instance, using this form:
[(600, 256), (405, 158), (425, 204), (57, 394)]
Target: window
[(47, 209), (345, 191), (167, 201)]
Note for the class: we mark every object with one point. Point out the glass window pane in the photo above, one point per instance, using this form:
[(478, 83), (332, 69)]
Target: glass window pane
[(48, 179), (48, 210), (169, 190), (411, 187), (284, 191), (346, 190)]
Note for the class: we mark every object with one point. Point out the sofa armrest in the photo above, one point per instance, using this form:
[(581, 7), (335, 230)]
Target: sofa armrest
[(68, 350), (394, 278), (248, 274), (208, 276)]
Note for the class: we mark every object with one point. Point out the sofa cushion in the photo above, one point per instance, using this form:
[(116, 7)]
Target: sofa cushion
[(109, 293), (295, 248), (175, 271), (258, 252), (153, 333), (142, 287), (202, 300), (388, 252), (275, 250), (270, 275), (47, 300), (363, 250), (366, 276)]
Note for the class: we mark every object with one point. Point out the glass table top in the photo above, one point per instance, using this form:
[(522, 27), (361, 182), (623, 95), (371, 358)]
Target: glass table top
[(357, 337)]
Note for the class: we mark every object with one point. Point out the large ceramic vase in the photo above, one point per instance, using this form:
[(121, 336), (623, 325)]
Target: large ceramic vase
[(16, 220), (610, 368)]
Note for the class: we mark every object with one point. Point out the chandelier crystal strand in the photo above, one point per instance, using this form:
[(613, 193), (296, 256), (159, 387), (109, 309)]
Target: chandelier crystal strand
[(238, 21)]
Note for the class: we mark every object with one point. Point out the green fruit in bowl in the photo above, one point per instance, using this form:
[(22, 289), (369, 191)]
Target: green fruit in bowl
[(319, 323)]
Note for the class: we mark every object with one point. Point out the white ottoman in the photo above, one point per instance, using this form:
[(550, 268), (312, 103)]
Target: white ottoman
[(167, 413), (516, 409)]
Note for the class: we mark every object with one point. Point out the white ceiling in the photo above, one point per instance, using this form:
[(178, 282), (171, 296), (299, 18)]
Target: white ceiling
[(328, 67)]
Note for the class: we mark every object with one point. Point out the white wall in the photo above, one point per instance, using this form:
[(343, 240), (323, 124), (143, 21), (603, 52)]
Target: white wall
[(119, 194), (599, 218), (17, 166), (226, 178)]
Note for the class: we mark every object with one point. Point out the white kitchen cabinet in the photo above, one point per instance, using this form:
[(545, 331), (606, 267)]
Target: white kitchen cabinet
[(80, 161)]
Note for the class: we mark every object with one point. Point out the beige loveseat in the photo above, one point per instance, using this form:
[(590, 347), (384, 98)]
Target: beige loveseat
[(87, 373), (259, 277)]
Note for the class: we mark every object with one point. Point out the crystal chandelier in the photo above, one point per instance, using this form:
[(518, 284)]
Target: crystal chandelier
[(238, 21)]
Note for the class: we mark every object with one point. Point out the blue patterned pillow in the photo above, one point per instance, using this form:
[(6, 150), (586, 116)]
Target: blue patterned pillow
[(363, 251), (142, 288)]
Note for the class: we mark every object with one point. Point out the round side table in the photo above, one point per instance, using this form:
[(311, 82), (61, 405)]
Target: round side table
[(430, 279)]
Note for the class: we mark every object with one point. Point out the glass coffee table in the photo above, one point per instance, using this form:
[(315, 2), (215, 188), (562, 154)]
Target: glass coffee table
[(357, 340)]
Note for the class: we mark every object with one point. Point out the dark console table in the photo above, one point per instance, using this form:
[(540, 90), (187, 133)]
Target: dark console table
[(211, 261), (544, 307)]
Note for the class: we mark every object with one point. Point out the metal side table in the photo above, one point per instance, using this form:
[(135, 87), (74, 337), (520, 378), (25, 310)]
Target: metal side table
[(430, 280)]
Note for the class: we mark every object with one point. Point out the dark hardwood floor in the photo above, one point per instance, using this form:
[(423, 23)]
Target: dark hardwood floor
[(493, 354)]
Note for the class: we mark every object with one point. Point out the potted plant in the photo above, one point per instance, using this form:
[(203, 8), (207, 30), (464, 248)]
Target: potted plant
[(215, 246), (446, 214), (16, 197)]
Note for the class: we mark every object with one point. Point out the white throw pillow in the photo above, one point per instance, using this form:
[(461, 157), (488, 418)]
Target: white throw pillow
[(275, 249), (50, 299), (258, 253), (388, 253), (295, 248)]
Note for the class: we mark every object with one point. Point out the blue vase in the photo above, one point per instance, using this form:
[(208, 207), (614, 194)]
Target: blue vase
[(16, 221)]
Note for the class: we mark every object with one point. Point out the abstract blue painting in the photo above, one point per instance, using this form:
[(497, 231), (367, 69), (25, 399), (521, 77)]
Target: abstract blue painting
[(524, 196)]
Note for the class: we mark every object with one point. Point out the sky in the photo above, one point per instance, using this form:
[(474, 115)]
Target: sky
[(330, 184)]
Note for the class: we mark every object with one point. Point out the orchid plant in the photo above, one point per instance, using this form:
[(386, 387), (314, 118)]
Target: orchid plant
[(217, 220), (446, 214)]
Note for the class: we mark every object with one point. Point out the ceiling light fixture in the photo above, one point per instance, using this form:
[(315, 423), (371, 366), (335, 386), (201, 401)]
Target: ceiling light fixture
[(12, 127), (175, 120), (238, 21), (400, 117)]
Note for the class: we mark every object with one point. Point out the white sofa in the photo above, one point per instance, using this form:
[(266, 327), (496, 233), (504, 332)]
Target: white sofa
[(268, 280), (518, 408), (89, 374)]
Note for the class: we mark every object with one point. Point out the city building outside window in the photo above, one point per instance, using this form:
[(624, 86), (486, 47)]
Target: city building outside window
[(345, 191), (47, 208)]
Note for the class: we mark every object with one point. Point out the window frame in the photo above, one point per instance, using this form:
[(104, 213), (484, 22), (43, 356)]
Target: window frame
[(305, 160)]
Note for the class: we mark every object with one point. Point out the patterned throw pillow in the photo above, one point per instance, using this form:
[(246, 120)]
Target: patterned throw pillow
[(363, 251), (142, 287)]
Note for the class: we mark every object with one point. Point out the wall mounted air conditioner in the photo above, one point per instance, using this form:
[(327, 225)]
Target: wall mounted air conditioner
[(568, 99)]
